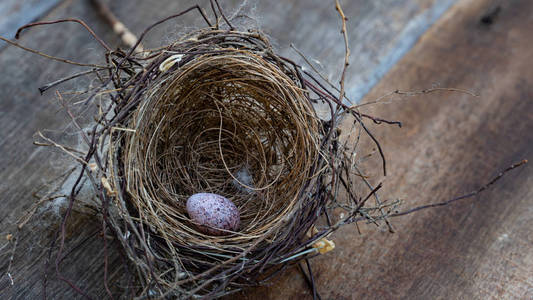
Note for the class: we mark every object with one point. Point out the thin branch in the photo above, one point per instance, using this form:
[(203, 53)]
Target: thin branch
[(224, 16), (347, 48), (310, 280), (61, 147), (50, 85), (211, 2), (50, 56), (96, 37), (414, 93), (466, 196), (377, 120)]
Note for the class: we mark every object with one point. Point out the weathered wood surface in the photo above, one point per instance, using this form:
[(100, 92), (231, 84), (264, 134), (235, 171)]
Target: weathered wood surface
[(380, 32), (449, 144)]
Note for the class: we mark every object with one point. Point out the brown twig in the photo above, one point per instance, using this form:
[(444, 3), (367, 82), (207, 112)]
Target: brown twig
[(212, 3), (347, 48), (223, 15), (50, 56), (96, 37), (414, 93), (309, 279), (48, 86), (466, 196)]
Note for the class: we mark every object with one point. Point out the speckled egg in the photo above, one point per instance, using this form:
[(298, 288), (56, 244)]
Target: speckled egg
[(212, 212)]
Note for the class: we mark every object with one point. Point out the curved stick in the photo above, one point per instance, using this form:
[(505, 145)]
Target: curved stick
[(96, 37)]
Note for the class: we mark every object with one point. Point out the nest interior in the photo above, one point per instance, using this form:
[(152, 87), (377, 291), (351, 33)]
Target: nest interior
[(230, 123)]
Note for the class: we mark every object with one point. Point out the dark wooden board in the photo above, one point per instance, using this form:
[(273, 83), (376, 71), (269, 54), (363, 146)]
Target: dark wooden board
[(25, 167), (380, 32), (450, 143)]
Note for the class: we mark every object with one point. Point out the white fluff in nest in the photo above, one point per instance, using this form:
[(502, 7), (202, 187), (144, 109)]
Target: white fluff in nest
[(243, 180)]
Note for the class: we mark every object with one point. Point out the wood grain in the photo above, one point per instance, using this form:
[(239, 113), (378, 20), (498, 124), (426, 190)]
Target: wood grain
[(450, 143), (380, 32), (25, 167)]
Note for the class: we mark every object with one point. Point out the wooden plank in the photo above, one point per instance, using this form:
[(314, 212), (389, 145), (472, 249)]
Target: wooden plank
[(450, 144), (312, 26), (25, 167), (380, 32)]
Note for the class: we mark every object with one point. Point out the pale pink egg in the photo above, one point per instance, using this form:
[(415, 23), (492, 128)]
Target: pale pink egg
[(212, 212)]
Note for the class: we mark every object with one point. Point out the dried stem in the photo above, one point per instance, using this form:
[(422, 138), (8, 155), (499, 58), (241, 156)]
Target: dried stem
[(96, 37), (50, 56), (347, 48), (462, 197)]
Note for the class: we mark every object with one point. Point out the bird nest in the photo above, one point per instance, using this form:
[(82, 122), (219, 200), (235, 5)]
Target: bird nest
[(218, 111)]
